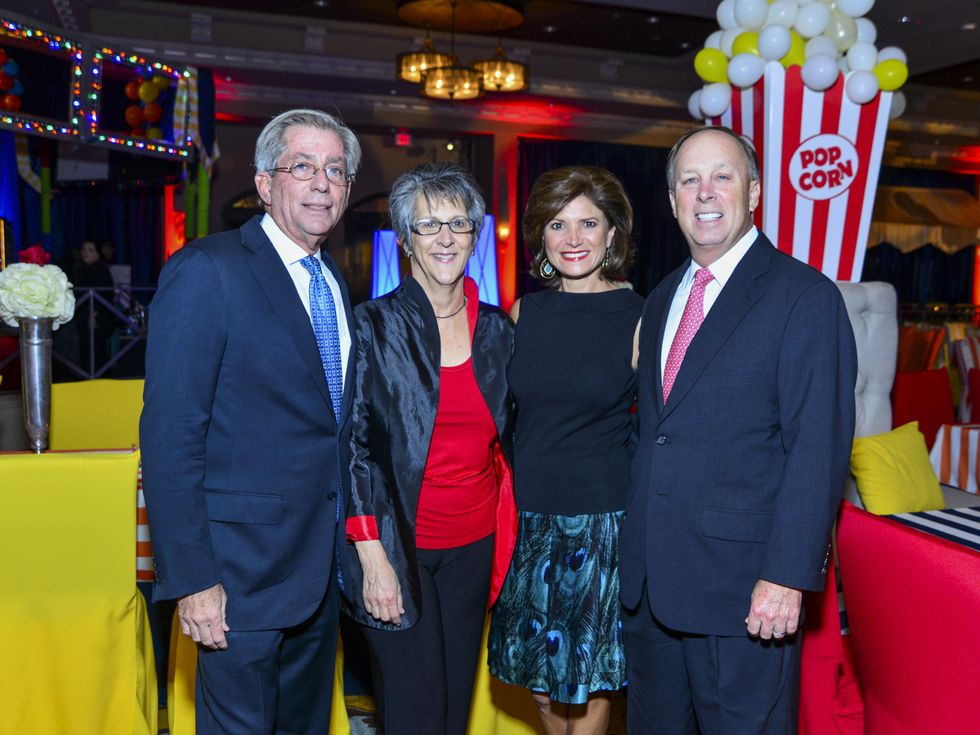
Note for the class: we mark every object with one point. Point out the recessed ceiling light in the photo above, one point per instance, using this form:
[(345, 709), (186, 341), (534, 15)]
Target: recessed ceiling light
[(970, 26), (904, 19), (549, 29), (685, 44), (967, 79), (321, 3), (653, 19)]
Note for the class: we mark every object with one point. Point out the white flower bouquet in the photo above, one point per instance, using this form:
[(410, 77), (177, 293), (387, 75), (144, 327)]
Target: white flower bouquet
[(35, 291)]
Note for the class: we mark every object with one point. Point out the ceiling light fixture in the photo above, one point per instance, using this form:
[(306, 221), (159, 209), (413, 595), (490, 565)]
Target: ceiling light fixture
[(501, 74), (452, 82), (442, 76), (413, 64)]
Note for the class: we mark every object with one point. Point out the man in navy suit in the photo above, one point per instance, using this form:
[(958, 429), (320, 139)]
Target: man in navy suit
[(245, 433), (746, 417)]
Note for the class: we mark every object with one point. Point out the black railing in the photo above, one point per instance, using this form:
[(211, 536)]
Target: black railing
[(109, 327)]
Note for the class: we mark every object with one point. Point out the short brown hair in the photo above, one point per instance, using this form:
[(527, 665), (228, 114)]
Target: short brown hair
[(553, 191)]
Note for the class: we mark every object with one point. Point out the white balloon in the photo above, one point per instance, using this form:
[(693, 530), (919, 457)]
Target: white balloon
[(728, 38), (782, 13), (744, 70), (820, 45), (867, 33), (726, 14), (861, 87), (862, 56), (715, 99), (811, 19), (694, 105), (751, 14), (774, 42), (892, 52), (714, 40), (855, 8), (898, 105), (819, 72)]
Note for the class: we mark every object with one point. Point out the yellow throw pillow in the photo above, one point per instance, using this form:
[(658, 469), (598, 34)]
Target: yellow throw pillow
[(893, 472)]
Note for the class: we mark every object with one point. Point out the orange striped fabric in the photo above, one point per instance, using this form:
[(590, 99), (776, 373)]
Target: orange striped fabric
[(954, 456), (144, 552)]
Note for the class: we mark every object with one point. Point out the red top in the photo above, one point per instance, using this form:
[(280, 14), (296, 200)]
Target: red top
[(458, 498)]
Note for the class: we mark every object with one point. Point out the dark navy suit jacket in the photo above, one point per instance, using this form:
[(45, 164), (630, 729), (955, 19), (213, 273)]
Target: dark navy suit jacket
[(243, 459), (739, 476)]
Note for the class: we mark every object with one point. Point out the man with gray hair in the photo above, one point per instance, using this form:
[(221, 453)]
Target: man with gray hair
[(245, 434)]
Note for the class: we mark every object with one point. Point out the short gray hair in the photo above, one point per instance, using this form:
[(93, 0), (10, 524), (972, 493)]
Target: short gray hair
[(272, 139), (751, 157), (436, 182)]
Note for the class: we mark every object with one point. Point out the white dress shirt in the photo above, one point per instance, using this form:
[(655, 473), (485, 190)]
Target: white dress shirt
[(722, 270), (291, 255)]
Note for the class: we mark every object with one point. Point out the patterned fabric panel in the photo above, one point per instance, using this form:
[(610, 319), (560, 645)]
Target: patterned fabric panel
[(966, 352)]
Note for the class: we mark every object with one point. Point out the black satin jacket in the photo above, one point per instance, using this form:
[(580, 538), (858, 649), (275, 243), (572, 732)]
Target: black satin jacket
[(396, 396)]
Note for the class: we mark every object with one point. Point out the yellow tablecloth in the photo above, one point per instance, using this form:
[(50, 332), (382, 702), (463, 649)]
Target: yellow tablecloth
[(76, 651)]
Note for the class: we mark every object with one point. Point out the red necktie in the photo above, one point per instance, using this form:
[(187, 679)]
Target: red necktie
[(690, 322)]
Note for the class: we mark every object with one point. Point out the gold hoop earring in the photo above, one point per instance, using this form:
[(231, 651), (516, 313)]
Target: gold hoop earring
[(547, 270)]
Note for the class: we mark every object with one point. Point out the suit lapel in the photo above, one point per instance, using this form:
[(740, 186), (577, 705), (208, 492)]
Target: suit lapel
[(272, 277), (734, 302), (663, 298)]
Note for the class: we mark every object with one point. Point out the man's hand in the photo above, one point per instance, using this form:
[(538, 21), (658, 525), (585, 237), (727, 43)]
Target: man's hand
[(382, 593), (202, 617), (774, 610)]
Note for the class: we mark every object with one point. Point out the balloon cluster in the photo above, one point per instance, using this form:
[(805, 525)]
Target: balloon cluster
[(11, 87), (144, 114), (822, 37)]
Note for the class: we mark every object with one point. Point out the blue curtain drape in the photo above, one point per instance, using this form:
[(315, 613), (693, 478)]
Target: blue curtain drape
[(660, 246), (926, 275), (129, 216)]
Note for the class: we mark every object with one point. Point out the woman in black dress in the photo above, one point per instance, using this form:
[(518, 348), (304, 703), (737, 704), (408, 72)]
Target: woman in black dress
[(556, 626)]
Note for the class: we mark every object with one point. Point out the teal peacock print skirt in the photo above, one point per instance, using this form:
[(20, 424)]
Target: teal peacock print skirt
[(556, 626)]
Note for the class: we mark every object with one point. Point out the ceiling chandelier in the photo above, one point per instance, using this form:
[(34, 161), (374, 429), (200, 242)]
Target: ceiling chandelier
[(413, 64), (441, 75)]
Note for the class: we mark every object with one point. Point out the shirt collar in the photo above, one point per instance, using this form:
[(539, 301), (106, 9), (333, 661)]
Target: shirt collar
[(288, 251), (723, 268)]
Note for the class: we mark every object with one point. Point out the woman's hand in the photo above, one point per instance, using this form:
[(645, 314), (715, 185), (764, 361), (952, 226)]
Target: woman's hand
[(382, 593)]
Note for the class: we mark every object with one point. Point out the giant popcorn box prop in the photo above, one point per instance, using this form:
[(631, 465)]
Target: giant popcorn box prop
[(820, 155)]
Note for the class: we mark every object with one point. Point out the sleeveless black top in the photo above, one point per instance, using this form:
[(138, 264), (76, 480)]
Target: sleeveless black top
[(573, 382)]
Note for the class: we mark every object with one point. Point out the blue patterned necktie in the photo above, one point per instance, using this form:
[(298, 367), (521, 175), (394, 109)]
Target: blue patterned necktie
[(325, 330), (324, 317)]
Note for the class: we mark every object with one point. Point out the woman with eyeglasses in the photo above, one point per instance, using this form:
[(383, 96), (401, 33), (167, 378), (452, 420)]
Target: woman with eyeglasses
[(432, 518), (556, 626)]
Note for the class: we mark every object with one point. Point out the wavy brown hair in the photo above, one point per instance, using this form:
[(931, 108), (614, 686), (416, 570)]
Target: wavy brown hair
[(553, 190)]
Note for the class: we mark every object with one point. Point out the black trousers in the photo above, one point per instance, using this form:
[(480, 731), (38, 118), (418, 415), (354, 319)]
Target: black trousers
[(423, 675), (271, 682), (685, 684)]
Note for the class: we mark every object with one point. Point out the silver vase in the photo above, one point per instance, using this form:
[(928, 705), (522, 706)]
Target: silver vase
[(35, 369)]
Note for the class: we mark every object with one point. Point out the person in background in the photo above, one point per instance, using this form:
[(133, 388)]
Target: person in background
[(556, 627), (93, 320), (746, 416), (432, 516), (245, 438)]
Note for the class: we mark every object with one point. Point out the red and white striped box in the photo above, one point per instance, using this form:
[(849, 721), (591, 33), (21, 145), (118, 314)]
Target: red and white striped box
[(820, 156), (144, 552)]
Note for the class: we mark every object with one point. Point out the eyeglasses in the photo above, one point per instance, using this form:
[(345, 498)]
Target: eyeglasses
[(458, 225), (307, 171)]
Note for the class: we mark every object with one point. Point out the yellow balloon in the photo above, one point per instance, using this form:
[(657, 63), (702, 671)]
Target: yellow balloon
[(149, 91), (746, 43), (711, 65), (891, 74), (161, 81), (154, 133), (796, 54)]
